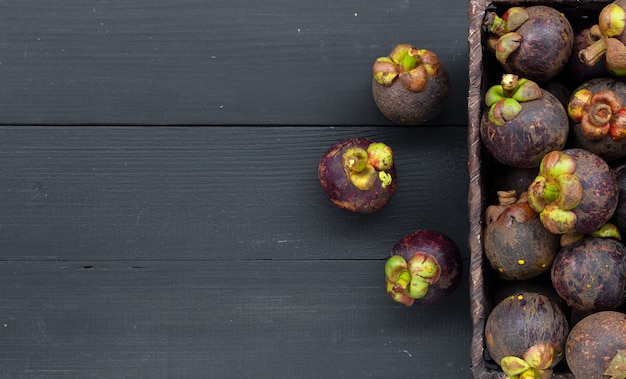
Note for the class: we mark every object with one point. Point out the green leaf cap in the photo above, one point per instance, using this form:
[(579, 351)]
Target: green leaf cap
[(504, 99), (556, 191)]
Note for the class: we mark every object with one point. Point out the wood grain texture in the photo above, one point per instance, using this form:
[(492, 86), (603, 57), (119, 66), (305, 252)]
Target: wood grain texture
[(225, 319), (214, 193), (160, 212), (187, 252), (272, 62)]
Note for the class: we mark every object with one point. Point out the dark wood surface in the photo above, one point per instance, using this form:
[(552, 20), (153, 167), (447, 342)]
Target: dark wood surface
[(160, 214)]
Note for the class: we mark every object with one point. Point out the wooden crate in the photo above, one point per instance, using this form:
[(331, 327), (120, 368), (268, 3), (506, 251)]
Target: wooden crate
[(484, 71)]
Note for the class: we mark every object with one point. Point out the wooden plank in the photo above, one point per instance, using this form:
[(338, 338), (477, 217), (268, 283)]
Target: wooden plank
[(105, 193), (235, 62), (222, 319)]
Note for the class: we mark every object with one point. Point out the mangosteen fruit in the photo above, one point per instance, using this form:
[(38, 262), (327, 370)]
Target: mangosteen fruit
[(424, 267), (534, 42), (516, 244), (596, 346), (597, 111), (523, 122), (575, 192), (525, 334), (590, 274), (610, 38), (410, 86), (358, 174)]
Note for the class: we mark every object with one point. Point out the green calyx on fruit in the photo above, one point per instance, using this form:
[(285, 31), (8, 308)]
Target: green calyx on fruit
[(410, 65), (617, 366), (535, 363), (504, 99), (555, 192), (409, 280), (599, 114), (364, 166), (511, 20), (504, 27), (607, 230), (609, 32)]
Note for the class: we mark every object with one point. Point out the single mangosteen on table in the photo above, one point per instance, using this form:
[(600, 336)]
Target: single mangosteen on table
[(534, 42), (516, 244), (596, 346), (523, 122), (610, 39), (410, 86), (358, 174), (590, 274), (525, 334), (424, 266), (597, 111), (575, 192)]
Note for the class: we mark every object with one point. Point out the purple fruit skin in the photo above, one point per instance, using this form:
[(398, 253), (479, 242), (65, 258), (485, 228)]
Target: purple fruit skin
[(547, 42), (523, 320), (338, 188), (540, 127), (599, 191), (590, 274), (447, 253)]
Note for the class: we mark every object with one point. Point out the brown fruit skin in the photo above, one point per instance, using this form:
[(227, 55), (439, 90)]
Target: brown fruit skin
[(600, 195), (547, 41), (523, 320), (445, 251), (606, 148), (404, 107), (593, 342), (528, 241), (341, 192), (590, 274), (540, 127)]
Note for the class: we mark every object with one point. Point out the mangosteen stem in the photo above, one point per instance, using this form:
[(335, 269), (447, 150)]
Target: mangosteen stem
[(593, 53), (507, 197), (355, 164), (495, 24)]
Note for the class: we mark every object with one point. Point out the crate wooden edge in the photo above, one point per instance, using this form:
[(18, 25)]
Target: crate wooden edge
[(478, 295)]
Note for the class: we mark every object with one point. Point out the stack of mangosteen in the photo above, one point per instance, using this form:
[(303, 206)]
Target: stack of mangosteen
[(554, 131)]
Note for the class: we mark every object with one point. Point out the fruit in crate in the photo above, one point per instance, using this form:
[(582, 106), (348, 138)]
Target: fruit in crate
[(575, 192), (516, 243), (597, 111), (523, 122), (358, 174), (525, 334), (610, 38), (596, 346), (534, 42), (590, 274), (424, 266), (410, 86)]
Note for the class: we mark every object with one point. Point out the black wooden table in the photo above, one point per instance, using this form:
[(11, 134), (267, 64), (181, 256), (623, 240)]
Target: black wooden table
[(160, 213)]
